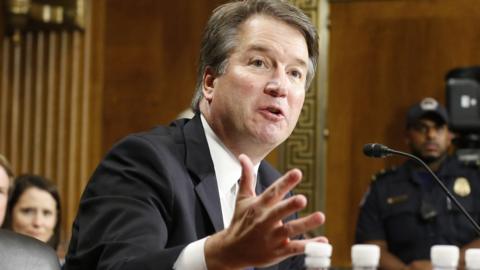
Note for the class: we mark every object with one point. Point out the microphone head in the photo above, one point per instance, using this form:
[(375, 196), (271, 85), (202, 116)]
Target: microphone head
[(376, 150)]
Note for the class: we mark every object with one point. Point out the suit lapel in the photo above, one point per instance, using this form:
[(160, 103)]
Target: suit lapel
[(266, 176), (200, 166), (207, 191), (260, 186)]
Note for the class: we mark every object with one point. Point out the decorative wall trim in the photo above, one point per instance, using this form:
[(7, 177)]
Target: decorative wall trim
[(43, 15), (306, 147)]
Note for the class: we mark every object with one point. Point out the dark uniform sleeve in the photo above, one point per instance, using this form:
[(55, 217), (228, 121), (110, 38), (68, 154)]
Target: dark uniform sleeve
[(125, 213), (369, 223), (461, 231)]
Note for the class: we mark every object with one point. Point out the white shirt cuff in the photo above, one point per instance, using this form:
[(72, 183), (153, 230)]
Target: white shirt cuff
[(192, 257)]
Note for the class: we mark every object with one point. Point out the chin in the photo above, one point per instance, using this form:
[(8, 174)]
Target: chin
[(43, 239), (429, 158), (268, 141), (271, 136)]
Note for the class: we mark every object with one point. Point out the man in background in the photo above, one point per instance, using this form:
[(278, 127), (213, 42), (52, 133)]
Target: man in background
[(197, 194), (405, 212), (6, 183)]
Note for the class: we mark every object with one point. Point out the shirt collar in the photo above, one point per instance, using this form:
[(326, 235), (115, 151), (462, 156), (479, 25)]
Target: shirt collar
[(227, 167)]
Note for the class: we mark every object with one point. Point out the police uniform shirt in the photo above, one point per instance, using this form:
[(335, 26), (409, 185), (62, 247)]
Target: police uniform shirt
[(411, 214)]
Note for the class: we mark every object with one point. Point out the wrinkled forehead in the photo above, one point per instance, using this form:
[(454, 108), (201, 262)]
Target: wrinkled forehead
[(264, 33)]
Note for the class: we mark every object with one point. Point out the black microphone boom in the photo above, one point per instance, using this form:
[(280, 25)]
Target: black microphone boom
[(377, 150)]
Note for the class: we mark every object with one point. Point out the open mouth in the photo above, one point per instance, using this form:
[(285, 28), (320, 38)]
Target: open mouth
[(274, 110), (272, 113)]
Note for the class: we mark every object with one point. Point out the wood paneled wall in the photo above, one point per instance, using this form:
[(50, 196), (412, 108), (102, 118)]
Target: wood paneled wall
[(151, 54), (384, 56), (66, 98), (134, 67), (48, 110)]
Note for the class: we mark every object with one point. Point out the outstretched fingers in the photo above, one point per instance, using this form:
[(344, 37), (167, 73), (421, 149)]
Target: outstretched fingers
[(257, 228), (277, 191), (285, 208), (295, 247), (247, 178), (299, 226)]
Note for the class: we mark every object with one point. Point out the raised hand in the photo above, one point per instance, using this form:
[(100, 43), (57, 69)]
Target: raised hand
[(257, 236)]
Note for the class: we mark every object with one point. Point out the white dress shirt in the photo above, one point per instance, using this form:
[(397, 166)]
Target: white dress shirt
[(227, 171)]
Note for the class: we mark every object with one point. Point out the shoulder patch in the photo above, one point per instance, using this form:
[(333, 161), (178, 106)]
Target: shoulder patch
[(383, 173)]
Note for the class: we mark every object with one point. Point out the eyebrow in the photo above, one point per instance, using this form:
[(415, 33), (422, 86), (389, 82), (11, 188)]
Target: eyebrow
[(264, 49)]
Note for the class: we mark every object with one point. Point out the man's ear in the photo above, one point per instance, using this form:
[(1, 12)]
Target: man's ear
[(208, 84), (450, 137)]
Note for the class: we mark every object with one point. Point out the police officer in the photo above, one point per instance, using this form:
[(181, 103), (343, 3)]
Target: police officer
[(405, 212)]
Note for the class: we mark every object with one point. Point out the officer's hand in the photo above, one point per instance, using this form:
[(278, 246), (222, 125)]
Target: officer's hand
[(257, 236)]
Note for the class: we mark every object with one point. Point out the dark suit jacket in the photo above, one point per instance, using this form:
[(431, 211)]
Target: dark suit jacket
[(152, 195)]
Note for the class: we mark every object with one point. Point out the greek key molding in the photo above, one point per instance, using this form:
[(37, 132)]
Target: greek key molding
[(303, 149)]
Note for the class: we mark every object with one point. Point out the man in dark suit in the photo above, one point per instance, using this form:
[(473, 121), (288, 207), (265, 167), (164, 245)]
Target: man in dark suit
[(197, 194)]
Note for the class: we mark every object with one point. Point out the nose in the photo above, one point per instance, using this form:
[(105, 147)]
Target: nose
[(37, 220), (277, 85), (432, 132)]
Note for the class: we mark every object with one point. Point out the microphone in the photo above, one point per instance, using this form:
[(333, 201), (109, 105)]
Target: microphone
[(377, 150)]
